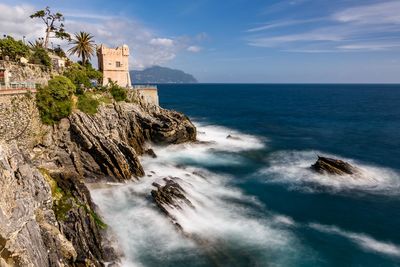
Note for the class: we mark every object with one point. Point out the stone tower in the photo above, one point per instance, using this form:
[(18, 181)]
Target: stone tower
[(114, 64)]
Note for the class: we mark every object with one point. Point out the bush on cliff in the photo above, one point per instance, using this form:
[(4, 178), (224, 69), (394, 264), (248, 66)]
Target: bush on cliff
[(13, 49), (81, 76), (88, 104), (117, 92), (41, 57), (55, 100)]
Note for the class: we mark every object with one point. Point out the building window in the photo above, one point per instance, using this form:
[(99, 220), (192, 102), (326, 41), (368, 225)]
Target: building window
[(118, 64)]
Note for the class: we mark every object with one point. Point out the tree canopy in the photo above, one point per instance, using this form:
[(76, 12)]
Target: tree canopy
[(54, 24), (84, 46)]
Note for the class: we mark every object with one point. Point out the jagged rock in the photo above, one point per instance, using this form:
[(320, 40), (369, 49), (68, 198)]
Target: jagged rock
[(47, 218), (110, 141), (170, 195), (151, 153), (333, 166), (28, 228)]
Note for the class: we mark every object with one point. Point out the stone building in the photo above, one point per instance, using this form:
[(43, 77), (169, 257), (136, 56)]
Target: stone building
[(114, 64)]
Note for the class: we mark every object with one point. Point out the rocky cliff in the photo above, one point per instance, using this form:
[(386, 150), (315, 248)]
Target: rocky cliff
[(47, 217)]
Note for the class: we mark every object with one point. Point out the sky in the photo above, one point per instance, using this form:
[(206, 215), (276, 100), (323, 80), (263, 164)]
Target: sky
[(236, 41)]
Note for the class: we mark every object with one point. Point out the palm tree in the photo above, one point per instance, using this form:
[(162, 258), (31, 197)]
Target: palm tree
[(84, 46)]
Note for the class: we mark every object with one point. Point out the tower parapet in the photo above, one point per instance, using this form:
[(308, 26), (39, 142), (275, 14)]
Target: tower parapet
[(114, 64)]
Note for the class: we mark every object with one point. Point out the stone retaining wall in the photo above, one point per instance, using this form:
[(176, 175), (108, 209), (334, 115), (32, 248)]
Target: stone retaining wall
[(19, 119), (18, 72)]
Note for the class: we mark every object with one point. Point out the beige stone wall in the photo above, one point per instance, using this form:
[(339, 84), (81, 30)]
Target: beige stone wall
[(150, 96), (17, 72), (19, 120), (114, 63)]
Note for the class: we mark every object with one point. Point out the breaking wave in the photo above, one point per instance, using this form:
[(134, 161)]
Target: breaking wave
[(232, 231), (364, 241), (293, 168)]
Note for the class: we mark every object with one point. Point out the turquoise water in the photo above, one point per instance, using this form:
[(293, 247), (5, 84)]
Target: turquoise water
[(260, 205)]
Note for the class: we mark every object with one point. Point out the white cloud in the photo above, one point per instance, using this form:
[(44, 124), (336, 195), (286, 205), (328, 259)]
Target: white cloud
[(194, 49), (162, 42), (15, 21), (147, 48)]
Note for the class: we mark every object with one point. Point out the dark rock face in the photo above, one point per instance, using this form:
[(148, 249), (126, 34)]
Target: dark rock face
[(29, 233), (170, 195), (111, 140), (150, 152), (333, 166), (56, 220)]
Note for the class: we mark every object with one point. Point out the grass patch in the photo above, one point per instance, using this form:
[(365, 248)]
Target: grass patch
[(88, 104)]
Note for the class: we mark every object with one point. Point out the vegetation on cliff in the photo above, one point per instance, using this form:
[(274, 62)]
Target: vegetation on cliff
[(13, 49), (55, 100), (40, 56), (87, 103), (117, 92), (82, 76)]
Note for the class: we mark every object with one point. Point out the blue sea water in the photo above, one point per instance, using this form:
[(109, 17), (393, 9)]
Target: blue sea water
[(261, 205)]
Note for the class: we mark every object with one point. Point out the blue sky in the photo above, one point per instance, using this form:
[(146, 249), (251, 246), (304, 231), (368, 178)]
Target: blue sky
[(289, 41)]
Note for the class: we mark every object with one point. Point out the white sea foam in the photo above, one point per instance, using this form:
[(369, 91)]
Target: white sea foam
[(236, 141), (362, 240), (212, 142), (223, 215), (293, 168)]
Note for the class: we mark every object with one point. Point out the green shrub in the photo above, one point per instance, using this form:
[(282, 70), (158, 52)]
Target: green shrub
[(77, 74), (81, 76), (59, 52), (88, 104), (93, 74), (13, 49), (54, 101), (40, 56), (117, 92)]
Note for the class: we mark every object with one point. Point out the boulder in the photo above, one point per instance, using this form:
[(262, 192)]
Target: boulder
[(170, 195), (333, 166)]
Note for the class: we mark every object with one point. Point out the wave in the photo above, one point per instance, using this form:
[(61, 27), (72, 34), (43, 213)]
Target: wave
[(215, 147), (364, 241), (293, 168), (232, 231)]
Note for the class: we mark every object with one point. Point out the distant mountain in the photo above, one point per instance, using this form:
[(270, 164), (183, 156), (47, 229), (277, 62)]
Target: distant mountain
[(159, 74)]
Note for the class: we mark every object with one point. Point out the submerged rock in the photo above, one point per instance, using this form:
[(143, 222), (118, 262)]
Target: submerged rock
[(233, 137), (333, 166)]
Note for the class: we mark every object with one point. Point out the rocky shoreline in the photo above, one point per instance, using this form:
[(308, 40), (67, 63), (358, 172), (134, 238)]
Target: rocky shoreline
[(47, 216)]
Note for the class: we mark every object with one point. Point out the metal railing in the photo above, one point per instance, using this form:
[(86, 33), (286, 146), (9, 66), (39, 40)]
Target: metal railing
[(18, 85), (144, 86)]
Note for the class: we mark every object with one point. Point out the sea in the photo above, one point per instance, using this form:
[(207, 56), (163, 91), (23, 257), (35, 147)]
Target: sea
[(256, 200)]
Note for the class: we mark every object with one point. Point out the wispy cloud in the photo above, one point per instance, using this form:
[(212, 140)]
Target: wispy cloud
[(194, 49), (379, 13), (351, 29), (286, 23)]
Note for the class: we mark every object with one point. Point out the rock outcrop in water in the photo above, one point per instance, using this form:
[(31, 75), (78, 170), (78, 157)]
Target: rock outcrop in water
[(170, 195), (333, 166), (47, 217)]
